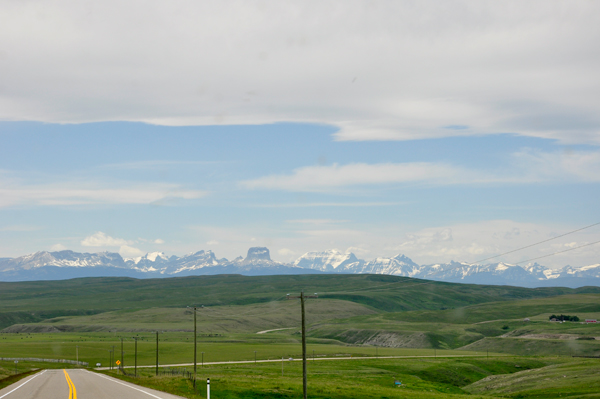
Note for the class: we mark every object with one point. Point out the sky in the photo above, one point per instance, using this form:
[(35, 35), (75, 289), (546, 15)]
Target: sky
[(442, 130)]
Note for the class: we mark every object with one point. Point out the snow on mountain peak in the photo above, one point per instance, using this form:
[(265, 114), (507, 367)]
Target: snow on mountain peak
[(325, 260), (590, 267), (259, 261), (153, 255), (501, 266)]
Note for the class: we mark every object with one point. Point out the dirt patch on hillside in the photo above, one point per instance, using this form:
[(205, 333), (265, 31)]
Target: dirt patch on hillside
[(394, 340), (31, 328), (388, 339)]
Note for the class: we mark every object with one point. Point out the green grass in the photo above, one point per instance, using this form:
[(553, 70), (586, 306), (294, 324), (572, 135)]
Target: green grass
[(39, 300), (421, 378), (542, 347), (467, 327), (9, 379), (178, 347), (210, 320), (541, 308), (355, 315), (576, 379)]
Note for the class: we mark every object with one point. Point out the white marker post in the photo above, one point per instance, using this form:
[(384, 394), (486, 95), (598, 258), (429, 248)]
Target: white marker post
[(208, 388)]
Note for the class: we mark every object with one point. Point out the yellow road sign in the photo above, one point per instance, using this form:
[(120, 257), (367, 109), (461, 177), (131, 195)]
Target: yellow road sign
[(118, 362)]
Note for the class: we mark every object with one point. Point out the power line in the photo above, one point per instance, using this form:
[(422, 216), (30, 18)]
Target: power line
[(537, 243), (559, 252)]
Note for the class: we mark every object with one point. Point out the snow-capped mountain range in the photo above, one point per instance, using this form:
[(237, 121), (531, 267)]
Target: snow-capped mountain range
[(69, 264)]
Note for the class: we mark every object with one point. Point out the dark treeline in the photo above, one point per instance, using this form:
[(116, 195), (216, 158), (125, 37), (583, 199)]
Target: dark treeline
[(563, 317)]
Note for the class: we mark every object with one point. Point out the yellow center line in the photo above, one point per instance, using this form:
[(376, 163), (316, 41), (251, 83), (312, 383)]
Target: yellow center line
[(72, 390)]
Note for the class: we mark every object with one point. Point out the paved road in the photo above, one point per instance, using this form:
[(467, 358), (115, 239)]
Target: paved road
[(77, 383), (310, 359)]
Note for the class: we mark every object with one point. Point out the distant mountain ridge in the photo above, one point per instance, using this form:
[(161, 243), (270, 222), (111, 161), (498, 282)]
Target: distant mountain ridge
[(69, 264), (500, 273)]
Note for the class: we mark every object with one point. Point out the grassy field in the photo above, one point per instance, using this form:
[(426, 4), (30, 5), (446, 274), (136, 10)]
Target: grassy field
[(358, 316), (210, 320), (577, 379), (496, 326), (422, 378), (538, 347), (535, 308), (178, 347), (27, 302), (374, 378)]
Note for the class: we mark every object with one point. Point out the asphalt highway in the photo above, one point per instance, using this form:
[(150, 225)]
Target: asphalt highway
[(77, 383)]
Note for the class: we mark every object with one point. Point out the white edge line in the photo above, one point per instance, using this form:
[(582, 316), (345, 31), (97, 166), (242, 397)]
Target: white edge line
[(6, 394), (122, 383)]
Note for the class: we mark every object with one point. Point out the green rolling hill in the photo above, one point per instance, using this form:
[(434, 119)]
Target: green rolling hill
[(351, 309)]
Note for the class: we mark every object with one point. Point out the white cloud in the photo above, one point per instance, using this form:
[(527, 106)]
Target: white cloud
[(325, 178), (565, 166), (465, 242), (378, 70), (212, 242), (126, 248), (13, 192), (341, 233), (528, 166), (359, 251), (316, 221), (325, 204), (472, 242), (130, 252), (101, 239), (58, 247), (153, 164)]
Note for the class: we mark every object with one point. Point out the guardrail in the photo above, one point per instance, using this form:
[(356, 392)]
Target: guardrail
[(35, 359)]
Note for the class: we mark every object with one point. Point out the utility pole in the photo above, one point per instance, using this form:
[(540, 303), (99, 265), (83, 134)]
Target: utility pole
[(195, 351), (195, 346), (302, 297), (122, 365), (202, 359), (254, 357), (110, 359), (113, 355), (135, 367), (157, 353)]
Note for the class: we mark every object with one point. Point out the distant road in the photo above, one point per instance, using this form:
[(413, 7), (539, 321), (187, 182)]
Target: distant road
[(70, 384), (309, 359), (276, 329)]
